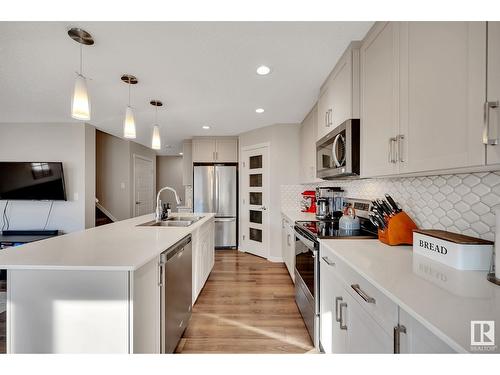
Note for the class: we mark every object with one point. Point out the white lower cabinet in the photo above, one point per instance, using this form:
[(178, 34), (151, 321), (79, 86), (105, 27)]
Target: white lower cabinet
[(415, 338), (356, 317), (203, 256), (288, 245)]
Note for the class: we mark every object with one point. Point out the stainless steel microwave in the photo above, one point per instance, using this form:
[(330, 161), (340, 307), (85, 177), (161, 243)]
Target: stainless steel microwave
[(338, 152)]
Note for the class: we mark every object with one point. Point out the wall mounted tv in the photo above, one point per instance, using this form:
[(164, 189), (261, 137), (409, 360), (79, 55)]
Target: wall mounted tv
[(32, 181)]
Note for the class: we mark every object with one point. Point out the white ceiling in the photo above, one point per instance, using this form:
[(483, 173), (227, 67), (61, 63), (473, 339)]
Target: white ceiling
[(204, 72)]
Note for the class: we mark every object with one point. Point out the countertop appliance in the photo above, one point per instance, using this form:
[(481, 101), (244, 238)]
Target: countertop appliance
[(329, 201), (308, 201), (32, 181), (175, 293), (338, 152), (307, 235), (215, 189)]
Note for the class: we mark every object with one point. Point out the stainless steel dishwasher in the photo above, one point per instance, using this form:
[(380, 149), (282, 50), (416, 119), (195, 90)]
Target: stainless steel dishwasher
[(175, 293)]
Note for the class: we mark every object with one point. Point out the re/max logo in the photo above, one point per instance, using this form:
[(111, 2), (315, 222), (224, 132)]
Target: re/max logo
[(433, 247)]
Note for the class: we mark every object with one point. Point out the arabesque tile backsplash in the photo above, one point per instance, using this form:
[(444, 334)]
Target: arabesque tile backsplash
[(462, 203)]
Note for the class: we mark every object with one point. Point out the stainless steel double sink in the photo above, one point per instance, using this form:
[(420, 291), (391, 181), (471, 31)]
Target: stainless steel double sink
[(173, 221)]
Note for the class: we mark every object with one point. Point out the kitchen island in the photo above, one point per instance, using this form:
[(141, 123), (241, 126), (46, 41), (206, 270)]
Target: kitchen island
[(96, 291)]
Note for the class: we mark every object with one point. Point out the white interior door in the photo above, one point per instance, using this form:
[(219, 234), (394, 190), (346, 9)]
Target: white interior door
[(143, 186), (255, 195)]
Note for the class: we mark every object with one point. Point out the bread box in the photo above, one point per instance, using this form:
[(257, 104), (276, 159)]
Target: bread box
[(454, 250)]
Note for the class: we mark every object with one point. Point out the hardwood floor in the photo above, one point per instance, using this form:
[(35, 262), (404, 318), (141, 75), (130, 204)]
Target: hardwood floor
[(246, 306)]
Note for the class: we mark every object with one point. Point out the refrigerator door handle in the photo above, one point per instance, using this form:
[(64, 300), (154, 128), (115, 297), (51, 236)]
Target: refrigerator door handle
[(217, 182), (225, 219)]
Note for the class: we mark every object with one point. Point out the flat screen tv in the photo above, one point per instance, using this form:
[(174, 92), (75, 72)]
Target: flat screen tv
[(32, 181)]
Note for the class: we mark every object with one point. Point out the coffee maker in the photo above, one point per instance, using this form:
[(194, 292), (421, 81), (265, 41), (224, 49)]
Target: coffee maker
[(329, 202), (308, 203)]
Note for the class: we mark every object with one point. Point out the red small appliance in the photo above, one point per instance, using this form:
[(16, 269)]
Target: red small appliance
[(308, 203)]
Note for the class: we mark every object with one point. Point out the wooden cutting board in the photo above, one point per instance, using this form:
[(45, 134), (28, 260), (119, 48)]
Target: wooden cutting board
[(453, 237)]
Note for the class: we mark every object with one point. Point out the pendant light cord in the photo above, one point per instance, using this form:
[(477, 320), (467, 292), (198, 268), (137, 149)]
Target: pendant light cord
[(81, 59), (129, 93)]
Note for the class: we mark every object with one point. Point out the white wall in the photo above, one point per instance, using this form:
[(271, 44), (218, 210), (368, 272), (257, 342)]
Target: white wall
[(66, 143), (169, 170), (284, 159)]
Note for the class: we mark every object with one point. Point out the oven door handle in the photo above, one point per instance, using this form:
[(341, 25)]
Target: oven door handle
[(308, 243)]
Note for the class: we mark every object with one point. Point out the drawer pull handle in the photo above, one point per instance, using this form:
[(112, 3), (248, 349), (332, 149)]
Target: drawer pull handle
[(362, 294), (398, 330), (342, 325), (328, 261), (337, 299)]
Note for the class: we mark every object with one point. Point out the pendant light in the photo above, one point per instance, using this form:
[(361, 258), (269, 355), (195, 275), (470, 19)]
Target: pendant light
[(156, 140), (129, 122), (80, 102)]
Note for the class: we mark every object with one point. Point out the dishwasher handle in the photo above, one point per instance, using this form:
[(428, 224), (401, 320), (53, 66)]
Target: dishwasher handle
[(176, 248)]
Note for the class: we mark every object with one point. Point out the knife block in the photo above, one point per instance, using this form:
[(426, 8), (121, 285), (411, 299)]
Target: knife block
[(399, 230)]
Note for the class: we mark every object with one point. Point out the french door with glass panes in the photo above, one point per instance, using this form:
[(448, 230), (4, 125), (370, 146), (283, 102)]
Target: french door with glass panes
[(255, 195)]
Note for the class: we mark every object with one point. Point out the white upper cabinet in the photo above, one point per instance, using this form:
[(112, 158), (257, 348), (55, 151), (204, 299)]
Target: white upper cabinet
[(187, 163), (379, 99), (423, 88), (308, 131), (209, 150), (443, 85), (339, 95), (493, 95)]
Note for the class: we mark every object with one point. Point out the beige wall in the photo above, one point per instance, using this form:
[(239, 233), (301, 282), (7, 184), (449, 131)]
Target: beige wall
[(169, 171), (115, 171), (70, 144), (284, 155)]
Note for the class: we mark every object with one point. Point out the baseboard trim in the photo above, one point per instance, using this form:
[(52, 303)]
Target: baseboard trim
[(275, 259)]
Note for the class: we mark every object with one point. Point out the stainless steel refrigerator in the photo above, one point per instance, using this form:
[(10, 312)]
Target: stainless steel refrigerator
[(215, 190)]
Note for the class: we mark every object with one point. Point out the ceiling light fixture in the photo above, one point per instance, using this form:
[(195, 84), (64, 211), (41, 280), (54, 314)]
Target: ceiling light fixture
[(259, 110), (206, 127), (156, 140), (129, 121), (80, 102), (263, 70), (181, 153)]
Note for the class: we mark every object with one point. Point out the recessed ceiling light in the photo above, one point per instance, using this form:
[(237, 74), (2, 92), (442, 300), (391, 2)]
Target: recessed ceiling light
[(206, 127), (181, 153), (263, 70), (259, 110)]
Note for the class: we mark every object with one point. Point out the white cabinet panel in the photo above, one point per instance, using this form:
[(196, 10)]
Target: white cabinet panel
[(208, 150), (493, 95), (203, 150), (226, 150), (56, 311), (339, 98), (379, 99), (364, 335), (203, 256), (308, 132), (443, 85), (417, 338), (187, 163), (288, 246)]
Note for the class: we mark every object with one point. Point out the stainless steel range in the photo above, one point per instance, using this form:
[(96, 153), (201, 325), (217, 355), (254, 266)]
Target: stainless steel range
[(307, 236)]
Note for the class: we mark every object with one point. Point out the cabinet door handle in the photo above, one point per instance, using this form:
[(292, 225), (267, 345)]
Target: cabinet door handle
[(288, 240), (401, 138), (398, 330), (328, 261), (326, 118), (337, 299), (342, 325), (486, 134), (161, 266), (392, 157), (362, 294)]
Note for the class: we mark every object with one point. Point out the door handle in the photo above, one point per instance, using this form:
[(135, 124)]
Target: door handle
[(342, 325), (362, 294), (263, 208), (137, 202), (288, 240), (398, 330), (401, 138), (486, 134), (392, 158), (337, 299)]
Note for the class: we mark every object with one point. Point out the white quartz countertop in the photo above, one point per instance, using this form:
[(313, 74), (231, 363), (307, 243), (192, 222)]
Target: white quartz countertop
[(295, 215), (443, 299), (120, 246)]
